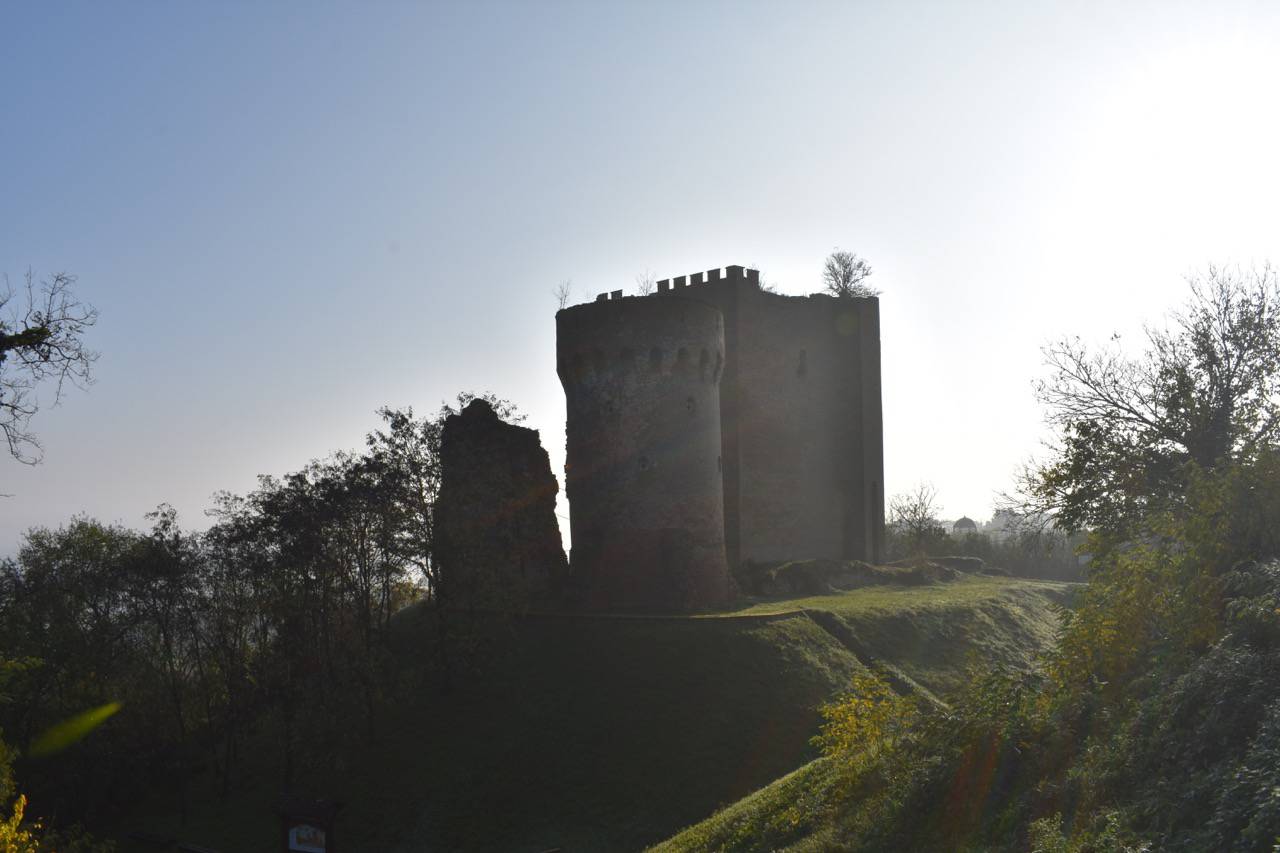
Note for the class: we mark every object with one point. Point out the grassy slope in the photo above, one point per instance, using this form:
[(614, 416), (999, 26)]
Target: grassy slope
[(929, 636), (929, 632), (610, 733), (772, 818)]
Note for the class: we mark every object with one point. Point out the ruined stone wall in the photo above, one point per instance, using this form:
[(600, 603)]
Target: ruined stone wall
[(497, 538), (643, 473)]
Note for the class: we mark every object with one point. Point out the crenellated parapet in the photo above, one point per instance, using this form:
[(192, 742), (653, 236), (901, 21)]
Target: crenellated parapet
[(732, 275), (636, 337)]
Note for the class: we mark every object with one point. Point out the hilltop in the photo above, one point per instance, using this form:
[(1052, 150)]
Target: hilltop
[(612, 732)]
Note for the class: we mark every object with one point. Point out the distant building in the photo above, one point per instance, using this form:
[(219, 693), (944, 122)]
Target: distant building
[(966, 526), (1003, 524)]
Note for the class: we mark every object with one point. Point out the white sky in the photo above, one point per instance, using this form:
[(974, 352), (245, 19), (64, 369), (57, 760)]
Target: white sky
[(291, 215)]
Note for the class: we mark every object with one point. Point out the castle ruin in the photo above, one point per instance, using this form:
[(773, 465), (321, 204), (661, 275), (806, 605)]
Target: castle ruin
[(497, 540), (713, 423)]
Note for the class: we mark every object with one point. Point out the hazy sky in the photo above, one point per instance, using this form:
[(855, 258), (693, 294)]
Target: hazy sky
[(290, 214)]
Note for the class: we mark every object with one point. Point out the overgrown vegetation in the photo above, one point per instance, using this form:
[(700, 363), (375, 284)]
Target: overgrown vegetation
[(1155, 722), (529, 753), (1027, 544), (277, 616)]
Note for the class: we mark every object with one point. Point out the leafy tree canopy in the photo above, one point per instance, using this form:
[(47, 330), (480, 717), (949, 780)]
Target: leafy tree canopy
[(1204, 393)]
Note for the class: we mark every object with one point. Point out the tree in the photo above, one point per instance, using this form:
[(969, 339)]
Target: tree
[(845, 274), (1204, 394), (41, 340), (408, 451), (645, 283), (913, 516), (563, 293)]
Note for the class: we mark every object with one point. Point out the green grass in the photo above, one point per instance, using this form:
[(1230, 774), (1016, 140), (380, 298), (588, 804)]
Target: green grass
[(603, 733), (969, 589), (784, 815), (929, 634)]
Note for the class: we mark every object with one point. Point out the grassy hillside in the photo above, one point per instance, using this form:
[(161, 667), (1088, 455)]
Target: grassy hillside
[(779, 816), (594, 733), (929, 632)]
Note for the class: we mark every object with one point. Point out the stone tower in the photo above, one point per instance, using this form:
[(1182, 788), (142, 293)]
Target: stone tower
[(641, 380), (797, 446)]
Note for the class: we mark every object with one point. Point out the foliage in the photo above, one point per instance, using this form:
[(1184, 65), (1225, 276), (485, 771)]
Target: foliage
[(1205, 393), (1031, 552), (16, 835), (406, 455), (844, 274), (185, 644), (1046, 836), (864, 724), (20, 835), (731, 702), (41, 340), (1155, 722), (1025, 547), (913, 521)]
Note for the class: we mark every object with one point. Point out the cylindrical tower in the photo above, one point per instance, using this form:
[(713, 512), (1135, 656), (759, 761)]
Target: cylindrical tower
[(643, 470)]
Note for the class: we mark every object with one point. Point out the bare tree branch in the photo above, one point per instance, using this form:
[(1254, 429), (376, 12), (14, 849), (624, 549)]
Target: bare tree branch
[(563, 294), (1205, 393), (845, 274), (42, 332), (645, 283)]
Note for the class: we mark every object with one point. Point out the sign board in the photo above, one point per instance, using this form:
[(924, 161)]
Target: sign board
[(306, 838), (307, 824)]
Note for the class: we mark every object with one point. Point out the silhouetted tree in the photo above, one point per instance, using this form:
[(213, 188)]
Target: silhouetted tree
[(1132, 430), (845, 274), (913, 517), (407, 450), (563, 293), (41, 340), (645, 283)]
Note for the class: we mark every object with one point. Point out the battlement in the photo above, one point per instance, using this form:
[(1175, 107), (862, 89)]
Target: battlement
[(681, 339), (733, 274), (696, 283)]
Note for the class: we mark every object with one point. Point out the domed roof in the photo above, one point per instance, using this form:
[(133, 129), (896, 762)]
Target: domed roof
[(965, 523)]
